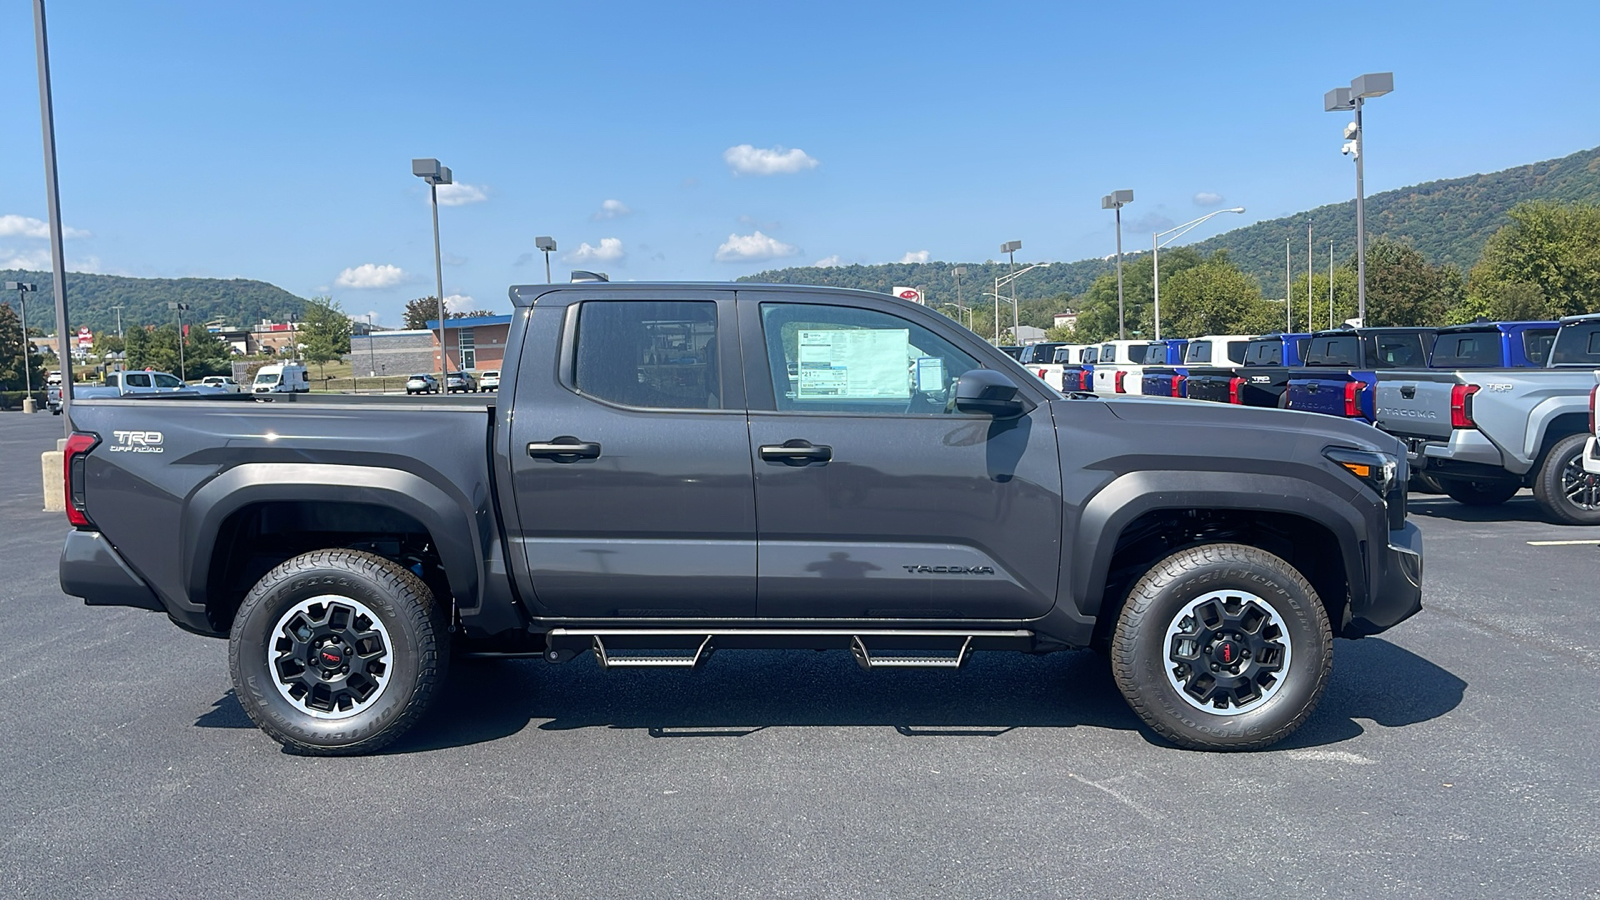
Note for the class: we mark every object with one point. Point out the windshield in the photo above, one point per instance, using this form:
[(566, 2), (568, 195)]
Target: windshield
[(266, 378)]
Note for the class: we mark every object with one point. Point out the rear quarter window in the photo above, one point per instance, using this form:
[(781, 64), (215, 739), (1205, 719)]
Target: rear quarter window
[(1536, 344), (1577, 345), (1236, 351)]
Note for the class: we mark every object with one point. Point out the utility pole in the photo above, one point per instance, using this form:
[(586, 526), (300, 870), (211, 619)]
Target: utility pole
[(1309, 264), (1288, 301), (119, 321), (22, 288)]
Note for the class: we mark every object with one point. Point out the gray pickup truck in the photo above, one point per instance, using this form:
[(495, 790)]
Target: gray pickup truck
[(673, 469), (1482, 434)]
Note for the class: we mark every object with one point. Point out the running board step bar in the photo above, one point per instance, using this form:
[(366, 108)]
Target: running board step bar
[(688, 648)]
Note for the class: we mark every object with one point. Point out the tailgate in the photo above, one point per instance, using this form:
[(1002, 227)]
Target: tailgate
[(1415, 404), (1210, 386), (1323, 394)]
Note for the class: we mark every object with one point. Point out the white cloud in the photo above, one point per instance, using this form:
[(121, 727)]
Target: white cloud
[(26, 226), (1207, 198), (752, 247), (461, 194), (610, 250), (828, 262), (40, 261), (748, 160), (611, 209), (915, 256), (458, 302), (369, 275)]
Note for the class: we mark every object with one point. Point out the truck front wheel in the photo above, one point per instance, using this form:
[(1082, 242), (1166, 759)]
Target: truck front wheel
[(1222, 647), (1569, 494), (1479, 493), (337, 652)]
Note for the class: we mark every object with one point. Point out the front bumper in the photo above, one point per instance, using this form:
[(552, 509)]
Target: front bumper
[(1394, 587), (1591, 456), (92, 569)]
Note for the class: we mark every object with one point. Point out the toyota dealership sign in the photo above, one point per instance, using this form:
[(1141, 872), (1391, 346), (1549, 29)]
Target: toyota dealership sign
[(908, 293)]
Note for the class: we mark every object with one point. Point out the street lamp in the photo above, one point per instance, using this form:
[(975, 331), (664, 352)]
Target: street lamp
[(22, 288), (1155, 252), (434, 174), (1373, 84), (178, 310), (1000, 283), (1010, 248), (548, 245), (372, 358), (1117, 200), (959, 271)]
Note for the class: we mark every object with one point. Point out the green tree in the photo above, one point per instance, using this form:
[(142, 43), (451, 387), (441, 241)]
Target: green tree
[(421, 311), (325, 332), (206, 354), (1544, 264), (138, 346), (13, 356), (1344, 298), (1403, 288)]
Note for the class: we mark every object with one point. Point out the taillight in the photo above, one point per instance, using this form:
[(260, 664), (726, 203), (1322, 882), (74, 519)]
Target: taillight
[(1461, 406), (1083, 380), (1041, 374), (1352, 399), (1236, 391), (1177, 385), (73, 458), (1121, 376), (1592, 392)]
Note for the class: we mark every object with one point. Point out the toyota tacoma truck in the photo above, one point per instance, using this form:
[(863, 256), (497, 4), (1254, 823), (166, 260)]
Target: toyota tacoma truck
[(1484, 432), (1262, 379), (1340, 372), (669, 470)]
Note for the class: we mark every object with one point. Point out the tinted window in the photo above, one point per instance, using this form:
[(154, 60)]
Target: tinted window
[(163, 380), (1236, 351), (1263, 353), (1577, 345), (852, 360), (1396, 351), (1155, 355), (1467, 350), (1108, 353), (1090, 355), (1536, 344), (652, 354), (1062, 356), (1300, 346), (1339, 350), (138, 379), (1199, 352)]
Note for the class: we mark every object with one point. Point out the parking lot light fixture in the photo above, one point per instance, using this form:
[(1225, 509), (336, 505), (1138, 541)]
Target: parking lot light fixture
[(178, 310), (1010, 248), (1117, 200), (1155, 253), (1350, 99), (959, 271), (434, 174), (22, 288), (548, 245)]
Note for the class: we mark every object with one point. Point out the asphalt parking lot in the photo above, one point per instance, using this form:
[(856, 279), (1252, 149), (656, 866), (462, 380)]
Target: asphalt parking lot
[(1455, 756)]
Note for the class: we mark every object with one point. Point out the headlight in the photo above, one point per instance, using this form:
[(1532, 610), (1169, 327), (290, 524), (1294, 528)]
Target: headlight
[(1376, 470)]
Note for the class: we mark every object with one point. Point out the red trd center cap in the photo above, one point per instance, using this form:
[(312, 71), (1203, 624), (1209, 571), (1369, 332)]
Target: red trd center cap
[(331, 656), (1226, 652)]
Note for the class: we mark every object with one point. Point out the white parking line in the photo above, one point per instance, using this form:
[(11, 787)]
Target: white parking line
[(1558, 543)]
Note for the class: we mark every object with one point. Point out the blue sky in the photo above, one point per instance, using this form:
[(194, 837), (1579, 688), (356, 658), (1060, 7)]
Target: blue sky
[(274, 141)]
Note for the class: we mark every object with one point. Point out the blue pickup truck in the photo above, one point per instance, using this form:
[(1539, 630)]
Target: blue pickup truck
[(1340, 374), (1164, 372), (1261, 380)]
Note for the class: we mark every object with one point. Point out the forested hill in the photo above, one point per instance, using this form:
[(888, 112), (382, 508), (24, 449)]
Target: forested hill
[(1448, 221), (92, 299)]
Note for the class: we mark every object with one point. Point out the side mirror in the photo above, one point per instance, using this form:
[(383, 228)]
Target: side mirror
[(988, 392)]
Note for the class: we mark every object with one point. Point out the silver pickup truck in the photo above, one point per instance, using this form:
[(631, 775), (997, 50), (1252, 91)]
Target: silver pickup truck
[(1484, 434)]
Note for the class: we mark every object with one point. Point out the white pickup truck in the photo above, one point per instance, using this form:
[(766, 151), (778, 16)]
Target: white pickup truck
[(1065, 355), (1120, 367), (1591, 449)]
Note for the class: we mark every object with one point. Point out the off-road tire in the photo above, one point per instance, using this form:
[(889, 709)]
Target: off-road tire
[(1479, 493), (1141, 660), (414, 638), (1563, 472)]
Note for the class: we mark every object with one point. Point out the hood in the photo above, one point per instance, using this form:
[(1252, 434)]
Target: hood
[(1178, 414)]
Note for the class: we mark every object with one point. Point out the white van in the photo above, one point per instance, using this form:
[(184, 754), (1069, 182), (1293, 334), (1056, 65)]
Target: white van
[(281, 379)]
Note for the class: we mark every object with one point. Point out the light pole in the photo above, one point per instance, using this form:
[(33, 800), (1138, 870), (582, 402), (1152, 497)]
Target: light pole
[(178, 310), (1155, 253), (1373, 84), (119, 321), (1010, 248), (1117, 200), (959, 271), (434, 174), (548, 245), (22, 288), (58, 252), (1000, 283), (372, 358)]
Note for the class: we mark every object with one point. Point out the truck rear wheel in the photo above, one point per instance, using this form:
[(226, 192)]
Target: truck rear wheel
[(1479, 493), (1222, 647), (1569, 494), (337, 652)]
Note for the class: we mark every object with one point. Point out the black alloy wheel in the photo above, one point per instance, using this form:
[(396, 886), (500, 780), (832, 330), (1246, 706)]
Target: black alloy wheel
[(1564, 490)]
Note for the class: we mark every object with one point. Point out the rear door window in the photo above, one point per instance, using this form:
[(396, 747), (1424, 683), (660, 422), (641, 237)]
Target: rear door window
[(647, 353), (163, 380), (1467, 350), (138, 379)]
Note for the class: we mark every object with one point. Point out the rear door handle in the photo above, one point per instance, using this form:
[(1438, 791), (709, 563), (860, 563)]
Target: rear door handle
[(796, 452), (564, 449)]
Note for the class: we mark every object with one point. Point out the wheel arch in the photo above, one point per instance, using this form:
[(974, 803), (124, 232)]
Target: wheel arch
[(342, 500), (1141, 517)]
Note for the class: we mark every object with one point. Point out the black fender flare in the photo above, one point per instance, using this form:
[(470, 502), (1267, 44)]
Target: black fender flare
[(1125, 498), (451, 524)]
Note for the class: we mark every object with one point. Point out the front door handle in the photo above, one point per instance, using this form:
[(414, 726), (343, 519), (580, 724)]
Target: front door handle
[(796, 452), (564, 449)]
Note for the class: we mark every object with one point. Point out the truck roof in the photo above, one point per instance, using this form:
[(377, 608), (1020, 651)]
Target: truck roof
[(1495, 326), (528, 294)]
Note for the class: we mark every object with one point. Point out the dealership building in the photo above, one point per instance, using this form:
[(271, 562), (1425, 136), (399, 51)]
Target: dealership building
[(472, 345)]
